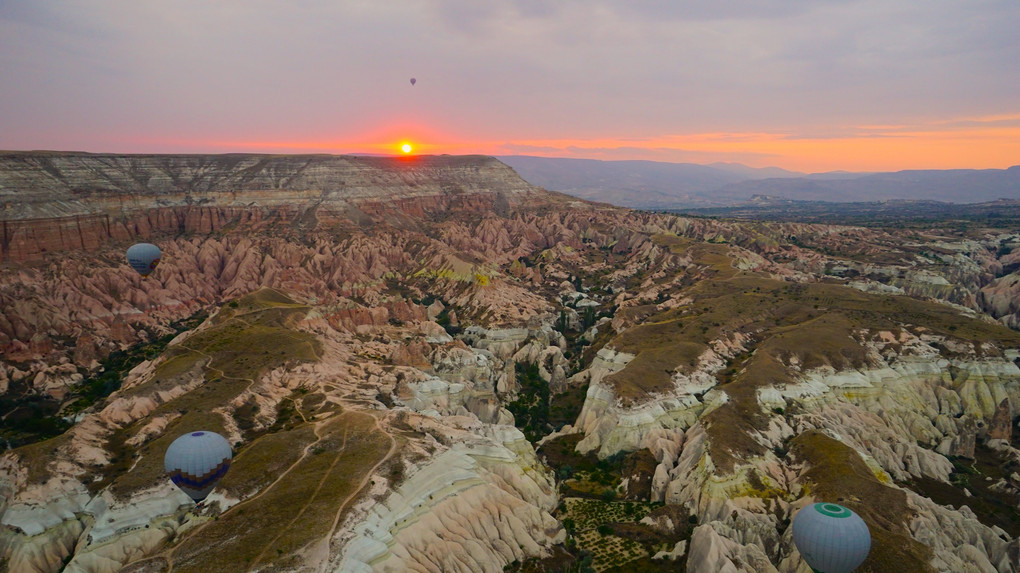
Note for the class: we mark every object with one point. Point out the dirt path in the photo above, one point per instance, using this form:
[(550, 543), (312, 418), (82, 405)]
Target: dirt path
[(166, 556), (308, 501), (320, 549), (322, 552)]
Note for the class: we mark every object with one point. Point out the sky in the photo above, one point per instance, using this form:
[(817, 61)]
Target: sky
[(807, 85)]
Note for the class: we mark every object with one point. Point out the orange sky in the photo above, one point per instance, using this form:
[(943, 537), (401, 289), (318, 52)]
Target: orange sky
[(976, 145)]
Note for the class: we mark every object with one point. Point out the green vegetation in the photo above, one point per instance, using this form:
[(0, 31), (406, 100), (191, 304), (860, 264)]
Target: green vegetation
[(242, 344), (611, 533), (993, 507), (565, 407), (592, 513), (119, 363), (603, 533), (607, 536), (261, 461), (31, 417), (579, 350), (531, 408), (581, 475), (443, 319), (538, 413)]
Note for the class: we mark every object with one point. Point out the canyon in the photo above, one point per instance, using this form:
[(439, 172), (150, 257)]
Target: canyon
[(425, 363)]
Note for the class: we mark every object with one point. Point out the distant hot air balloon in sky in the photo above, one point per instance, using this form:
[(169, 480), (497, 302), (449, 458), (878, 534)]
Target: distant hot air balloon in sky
[(832, 538), (413, 81), (143, 257), (197, 461)]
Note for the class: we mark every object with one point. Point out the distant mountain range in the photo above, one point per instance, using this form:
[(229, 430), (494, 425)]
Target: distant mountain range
[(1001, 213), (659, 185)]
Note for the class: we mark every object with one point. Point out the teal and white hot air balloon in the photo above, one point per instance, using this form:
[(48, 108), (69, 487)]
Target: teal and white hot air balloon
[(832, 538), (143, 257), (197, 461)]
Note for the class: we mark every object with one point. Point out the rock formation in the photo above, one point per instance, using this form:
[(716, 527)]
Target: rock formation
[(359, 327)]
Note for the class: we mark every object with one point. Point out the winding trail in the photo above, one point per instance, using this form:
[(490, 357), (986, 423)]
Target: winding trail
[(323, 544), (319, 548), (364, 481), (308, 501)]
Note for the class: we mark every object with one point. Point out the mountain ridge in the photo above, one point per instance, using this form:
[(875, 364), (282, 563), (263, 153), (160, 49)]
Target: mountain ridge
[(660, 185), (81, 200)]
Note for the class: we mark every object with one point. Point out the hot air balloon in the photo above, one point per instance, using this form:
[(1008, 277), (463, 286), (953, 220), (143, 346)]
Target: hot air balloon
[(832, 538), (413, 81), (197, 461), (143, 257)]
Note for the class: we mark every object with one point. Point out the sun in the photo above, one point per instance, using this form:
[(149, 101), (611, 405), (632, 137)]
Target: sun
[(406, 148)]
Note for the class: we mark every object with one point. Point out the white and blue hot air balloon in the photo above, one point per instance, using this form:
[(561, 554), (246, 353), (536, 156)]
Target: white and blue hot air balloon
[(197, 461), (143, 257), (831, 538)]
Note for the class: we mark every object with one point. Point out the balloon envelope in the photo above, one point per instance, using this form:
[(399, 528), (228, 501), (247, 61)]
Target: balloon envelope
[(197, 461), (832, 538), (143, 257), (413, 81)]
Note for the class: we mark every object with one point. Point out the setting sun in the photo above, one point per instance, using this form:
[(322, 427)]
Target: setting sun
[(406, 148)]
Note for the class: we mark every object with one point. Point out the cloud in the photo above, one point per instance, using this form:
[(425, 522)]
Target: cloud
[(262, 70)]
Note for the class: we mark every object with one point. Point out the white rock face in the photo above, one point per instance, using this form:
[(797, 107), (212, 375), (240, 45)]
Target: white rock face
[(46, 506), (678, 551), (610, 427), (713, 550), (477, 506), (504, 347), (500, 342), (112, 518), (900, 415), (959, 541), (552, 365), (465, 382), (42, 526), (44, 552)]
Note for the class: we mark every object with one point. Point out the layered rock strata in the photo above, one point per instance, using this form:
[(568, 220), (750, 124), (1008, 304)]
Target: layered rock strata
[(477, 506)]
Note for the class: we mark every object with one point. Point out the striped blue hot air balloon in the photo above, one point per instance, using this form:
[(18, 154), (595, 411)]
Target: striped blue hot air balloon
[(143, 257), (197, 461), (831, 538)]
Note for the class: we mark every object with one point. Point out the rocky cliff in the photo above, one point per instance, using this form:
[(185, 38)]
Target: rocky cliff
[(64, 202)]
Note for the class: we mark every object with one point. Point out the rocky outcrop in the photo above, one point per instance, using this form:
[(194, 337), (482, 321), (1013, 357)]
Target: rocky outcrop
[(64, 202), (59, 521), (883, 415), (610, 427), (477, 506), (1001, 299)]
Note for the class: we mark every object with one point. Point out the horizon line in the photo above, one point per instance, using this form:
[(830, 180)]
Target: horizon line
[(793, 174)]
